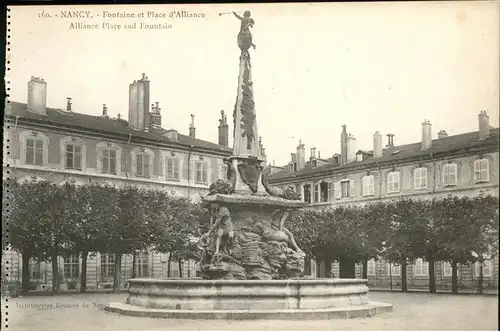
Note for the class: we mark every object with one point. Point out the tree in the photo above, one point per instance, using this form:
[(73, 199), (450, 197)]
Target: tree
[(181, 227), (406, 237), (127, 230), (90, 208), (32, 207), (306, 227)]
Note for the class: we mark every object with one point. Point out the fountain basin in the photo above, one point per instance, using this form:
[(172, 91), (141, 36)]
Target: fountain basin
[(249, 299)]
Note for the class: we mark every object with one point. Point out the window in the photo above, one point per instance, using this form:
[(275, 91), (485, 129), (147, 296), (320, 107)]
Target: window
[(172, 167), (316, 192), (421, 268), (487, 268), (307, 193), (142, 165), (420, 177), (142, 264), (368, 185), (393, 270), (371, 268), (34, 150), (450, 174), (447, 269), (201, 172), (71, 267), (107, 265), (393, 182), (73, 156), (481, 171), (324, 188), (345, 188), (35, 270), (108, 161)]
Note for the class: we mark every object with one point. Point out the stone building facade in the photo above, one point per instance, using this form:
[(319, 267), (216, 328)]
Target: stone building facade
[(465, 164), (61, 145)]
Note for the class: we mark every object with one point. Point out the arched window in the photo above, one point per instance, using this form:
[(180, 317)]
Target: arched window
[(420, 178), (142, 162), (450, 174), (109, 158), (34, 148), (481, 171), (393, 185), (73, 152)]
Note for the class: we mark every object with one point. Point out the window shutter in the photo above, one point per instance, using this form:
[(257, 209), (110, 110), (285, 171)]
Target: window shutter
[(112, 161), (30, 151), (352, 183), (416, 178), (102, 154), (38, 152), (331, 191), (176, 168), (146, 159), (78, 157), (338, 192)]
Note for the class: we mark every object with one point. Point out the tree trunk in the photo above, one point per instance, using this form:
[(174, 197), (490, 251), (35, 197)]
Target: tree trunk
[(168, 265), (404, 280), (118, 273), (134, 261), (432, 275), (347, 268), (180, 268), (365, 269), (83, 277), (26, 273), (328, 268), (55, 271), (454, 277), (481, 278)]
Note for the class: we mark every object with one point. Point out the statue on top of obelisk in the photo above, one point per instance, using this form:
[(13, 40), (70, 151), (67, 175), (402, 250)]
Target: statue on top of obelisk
[(245, 36)]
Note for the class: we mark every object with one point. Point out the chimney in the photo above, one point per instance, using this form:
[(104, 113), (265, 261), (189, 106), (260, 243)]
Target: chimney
[(442, 134), (319, 155), (313, 152), (426, 135), (301, 156), (68, 104), (37, 95), (155, 116), (192, 128), (377, 144), (138, 114), (294, 157), (223, 130), (104, 110), (390, 140), (343, 145), (484, 125), (351, 148)]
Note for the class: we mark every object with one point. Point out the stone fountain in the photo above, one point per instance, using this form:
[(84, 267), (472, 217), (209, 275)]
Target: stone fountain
[(251, 266)]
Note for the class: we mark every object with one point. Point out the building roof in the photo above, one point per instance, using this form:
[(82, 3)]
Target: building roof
[(106, 125), (399, 153)]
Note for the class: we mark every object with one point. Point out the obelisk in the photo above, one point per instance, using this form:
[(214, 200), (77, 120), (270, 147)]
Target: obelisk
[(247, 158)]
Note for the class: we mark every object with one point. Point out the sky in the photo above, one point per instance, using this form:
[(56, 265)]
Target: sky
[(372, 66)]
